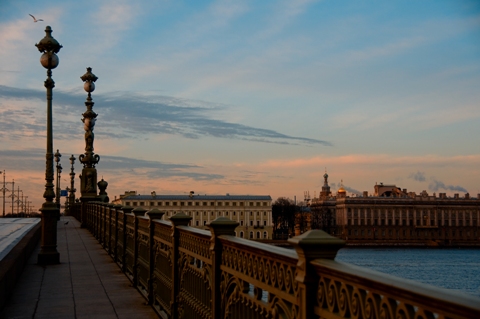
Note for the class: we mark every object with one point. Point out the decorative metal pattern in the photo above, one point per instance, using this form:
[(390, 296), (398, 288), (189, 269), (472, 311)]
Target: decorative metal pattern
[(195, 287), (195, 245), (350, 292), (257, 285)]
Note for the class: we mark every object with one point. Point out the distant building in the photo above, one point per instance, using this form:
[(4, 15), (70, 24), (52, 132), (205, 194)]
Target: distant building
[(394, 216), (253, 213)]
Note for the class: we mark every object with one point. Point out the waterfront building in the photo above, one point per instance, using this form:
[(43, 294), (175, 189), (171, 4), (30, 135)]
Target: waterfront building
[(252, 212), (392, 215)]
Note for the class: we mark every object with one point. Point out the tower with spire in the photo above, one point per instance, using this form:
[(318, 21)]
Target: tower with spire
[(325, 193)]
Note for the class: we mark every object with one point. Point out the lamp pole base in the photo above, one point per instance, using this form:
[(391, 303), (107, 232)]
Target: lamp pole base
[(48, 254), (48, 258)]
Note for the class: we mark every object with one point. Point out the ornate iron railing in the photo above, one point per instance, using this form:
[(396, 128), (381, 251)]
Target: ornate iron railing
[(184, 272)]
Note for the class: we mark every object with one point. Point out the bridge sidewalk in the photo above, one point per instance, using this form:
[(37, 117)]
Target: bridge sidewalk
[(86, 284)]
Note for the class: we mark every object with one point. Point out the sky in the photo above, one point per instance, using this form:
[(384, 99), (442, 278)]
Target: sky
[(247, 97)]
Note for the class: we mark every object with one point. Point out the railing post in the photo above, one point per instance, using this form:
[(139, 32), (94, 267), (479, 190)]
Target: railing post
[(152, 214), (179, 219), (126, 210), (101, 210), (139, 211), (83, 213), (96, 211), (311, 245), (115, 252), (109, 221), (105, 215), (218, 227)]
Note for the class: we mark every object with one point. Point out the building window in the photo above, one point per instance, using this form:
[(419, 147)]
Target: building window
[(182, 203), (233, 213), (241, 234), (258, 235), (197, 203), (258, 203), (251, 235), (127, 203), (234, 204), (251, 223), (205, 203), (196, 223), (134, 203), (264, 223), (189, 203), (152, 203), (167, 203), (204, 222), (265, 235), (241, 203), (241, 223), (227, 204), (174, 203), (142, 203), (212, 203)]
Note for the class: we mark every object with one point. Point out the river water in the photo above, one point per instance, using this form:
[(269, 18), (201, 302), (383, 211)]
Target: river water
[(457, 269)]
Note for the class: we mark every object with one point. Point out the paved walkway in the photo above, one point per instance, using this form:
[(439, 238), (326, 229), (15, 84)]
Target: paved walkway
[(87, 283)]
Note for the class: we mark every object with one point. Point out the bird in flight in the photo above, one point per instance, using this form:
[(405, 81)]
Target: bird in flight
[(35, 19)]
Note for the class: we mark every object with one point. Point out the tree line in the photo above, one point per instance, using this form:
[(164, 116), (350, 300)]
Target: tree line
[(291, 218)]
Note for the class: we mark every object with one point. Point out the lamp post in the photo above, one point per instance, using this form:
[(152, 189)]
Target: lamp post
[(59, 171), (48, 255), (88, 178), (71, 197), (4, 189), (25, 206), (13, 194)]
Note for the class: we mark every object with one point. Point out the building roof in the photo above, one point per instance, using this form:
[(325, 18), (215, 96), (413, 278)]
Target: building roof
[(197, 197)]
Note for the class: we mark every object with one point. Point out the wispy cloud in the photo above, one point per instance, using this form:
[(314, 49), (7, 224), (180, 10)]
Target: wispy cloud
[(283, 14), (35, 159), (130, 115), (373, 159)]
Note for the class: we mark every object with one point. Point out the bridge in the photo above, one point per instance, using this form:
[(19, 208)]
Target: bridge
[(172, 270)]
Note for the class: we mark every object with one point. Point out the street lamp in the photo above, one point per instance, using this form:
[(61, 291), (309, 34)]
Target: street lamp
[(59, 171), (4, 189), (88, 178), (48, 255), (71, 197)]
